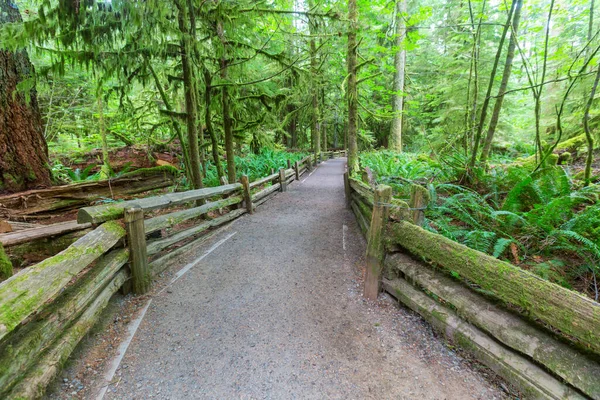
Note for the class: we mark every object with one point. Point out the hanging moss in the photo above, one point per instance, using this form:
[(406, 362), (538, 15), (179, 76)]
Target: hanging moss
[(6, 268)]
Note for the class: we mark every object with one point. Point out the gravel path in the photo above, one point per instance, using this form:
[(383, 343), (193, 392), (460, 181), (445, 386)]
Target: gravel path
[(276, 313)]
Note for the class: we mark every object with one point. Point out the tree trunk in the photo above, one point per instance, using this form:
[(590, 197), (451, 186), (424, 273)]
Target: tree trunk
[(395, 142), (314, 123), (588, 134), (510, 55), (190, 96), (227, 121), (352, 132), (24, 160), (105, 170), (486, 100)]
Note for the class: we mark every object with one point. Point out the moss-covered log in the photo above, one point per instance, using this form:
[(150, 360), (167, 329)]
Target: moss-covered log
[(564, 361), (363, 190), (365, 210), (156, 246), (24, 293), (50, 363), (264, 180), (20, 351), (6, 267), (532, 380), (97, 214), (571, 313), (169, 220), (60, 198), (28, 235)]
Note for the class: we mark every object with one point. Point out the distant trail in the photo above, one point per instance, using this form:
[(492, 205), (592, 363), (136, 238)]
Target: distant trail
[(276, 312)]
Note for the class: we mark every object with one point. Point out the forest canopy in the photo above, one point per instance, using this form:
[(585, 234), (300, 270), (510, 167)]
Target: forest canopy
[(490, 104)]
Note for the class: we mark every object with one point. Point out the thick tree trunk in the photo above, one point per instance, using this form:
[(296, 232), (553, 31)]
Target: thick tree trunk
[(190, 97), (395, 142), (208, 120), (24, 160), (510, 55), (352, 88)]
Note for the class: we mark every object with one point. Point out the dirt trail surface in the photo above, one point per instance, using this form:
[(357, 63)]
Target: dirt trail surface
[(275, 312)]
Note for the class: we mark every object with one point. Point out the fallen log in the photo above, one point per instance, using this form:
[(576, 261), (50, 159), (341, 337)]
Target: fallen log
[(44, 231), (97, 214), (81, 194), (511, 330), (169, 220), (531, 379), (158, 245), (49, 364), (21, 350), (26, 292), (569, 312)]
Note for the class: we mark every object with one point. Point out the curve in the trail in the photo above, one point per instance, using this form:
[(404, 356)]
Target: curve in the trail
[(275, 311)]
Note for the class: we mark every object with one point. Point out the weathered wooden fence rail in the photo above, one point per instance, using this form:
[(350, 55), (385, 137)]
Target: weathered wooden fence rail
[(543, 338), (47, 308)]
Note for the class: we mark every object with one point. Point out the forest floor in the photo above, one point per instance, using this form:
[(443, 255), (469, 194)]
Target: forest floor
[(274, 310)]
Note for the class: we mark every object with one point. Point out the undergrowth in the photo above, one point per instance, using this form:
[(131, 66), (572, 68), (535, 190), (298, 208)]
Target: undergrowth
[(544, 221)]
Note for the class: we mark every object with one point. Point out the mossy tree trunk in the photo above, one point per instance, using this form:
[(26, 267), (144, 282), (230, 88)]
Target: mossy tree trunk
[(352, 92), (24, 160), (395, 142), (314, 122)]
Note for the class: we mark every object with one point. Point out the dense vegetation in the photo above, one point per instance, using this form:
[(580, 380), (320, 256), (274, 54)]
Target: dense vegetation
[(491, 105)]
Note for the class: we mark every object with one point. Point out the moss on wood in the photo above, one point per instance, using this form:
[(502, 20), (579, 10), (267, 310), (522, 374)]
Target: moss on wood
[(6, 267)]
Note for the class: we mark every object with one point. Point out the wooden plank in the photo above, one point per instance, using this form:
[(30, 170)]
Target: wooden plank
[(375, 245), (265, 192), (136, 242), (49, 364), (347, 189), (264, 180), (289, 172), (567, 311), (360, 218), (28, 235), (97, 214), (156, 246), (531, 379), (24, 293), (362, 189), (564, 361), (177, 217), (21, 351)]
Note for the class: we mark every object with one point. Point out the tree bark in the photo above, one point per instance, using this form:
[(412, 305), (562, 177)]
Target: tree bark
[(395, 141), (208, 120), (227, 120), (588, 134), (190, 96), (314, 123), (510, 55), (24, 160), (352, 94)]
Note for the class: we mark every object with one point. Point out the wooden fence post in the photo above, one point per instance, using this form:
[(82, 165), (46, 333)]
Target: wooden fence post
[(375, 249), (246, 189), (136, 241), (289, 163), (347, 190), (282, 179), (297, 170), (308, 164), (419, 198)]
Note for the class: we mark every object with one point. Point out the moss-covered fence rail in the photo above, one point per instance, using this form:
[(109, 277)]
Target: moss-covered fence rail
[(541, 337), (47, 308)]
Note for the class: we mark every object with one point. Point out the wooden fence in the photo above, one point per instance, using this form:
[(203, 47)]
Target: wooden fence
[(47, 308), (541, 337)]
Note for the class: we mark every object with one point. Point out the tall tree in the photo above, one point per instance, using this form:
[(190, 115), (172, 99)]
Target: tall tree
[(314, 123), (395, 141), (23, 149), (352, 92), (510, 55)]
